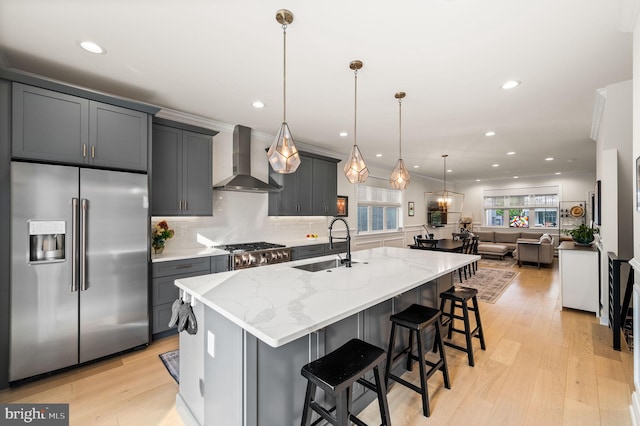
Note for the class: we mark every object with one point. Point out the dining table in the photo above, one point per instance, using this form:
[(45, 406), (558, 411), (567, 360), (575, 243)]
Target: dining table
[(445, 244)]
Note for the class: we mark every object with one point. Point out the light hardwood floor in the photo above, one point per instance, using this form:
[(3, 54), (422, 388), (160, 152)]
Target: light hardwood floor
[(542, 366)]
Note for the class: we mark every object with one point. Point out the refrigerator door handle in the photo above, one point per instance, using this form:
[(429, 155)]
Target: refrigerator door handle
[(83, 244), (74, 245)]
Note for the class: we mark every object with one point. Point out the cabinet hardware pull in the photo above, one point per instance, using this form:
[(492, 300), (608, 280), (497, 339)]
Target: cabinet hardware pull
[(185, 205), (184, 266), (84, 150), (93, 152)]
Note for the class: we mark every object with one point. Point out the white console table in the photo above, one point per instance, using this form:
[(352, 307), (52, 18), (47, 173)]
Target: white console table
[(579, 277)]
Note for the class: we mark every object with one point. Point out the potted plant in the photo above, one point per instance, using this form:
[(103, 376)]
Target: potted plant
[(160, 234), (582, 234)]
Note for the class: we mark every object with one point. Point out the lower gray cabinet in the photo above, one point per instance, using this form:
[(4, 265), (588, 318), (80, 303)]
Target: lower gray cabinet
[(317, 250), (164, 291)]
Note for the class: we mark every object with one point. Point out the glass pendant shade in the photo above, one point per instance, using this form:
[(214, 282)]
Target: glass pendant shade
[(400, 178), (283, 154), (355, 169)]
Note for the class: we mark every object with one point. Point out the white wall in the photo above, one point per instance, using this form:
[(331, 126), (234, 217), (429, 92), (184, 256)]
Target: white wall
[(573, 187)]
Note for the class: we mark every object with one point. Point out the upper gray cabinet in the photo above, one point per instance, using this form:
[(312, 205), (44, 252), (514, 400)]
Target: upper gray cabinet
[(309, 191), (57, 127), (181, 170)]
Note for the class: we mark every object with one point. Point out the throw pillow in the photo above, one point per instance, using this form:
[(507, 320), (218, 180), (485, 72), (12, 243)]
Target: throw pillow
[(546, 238)]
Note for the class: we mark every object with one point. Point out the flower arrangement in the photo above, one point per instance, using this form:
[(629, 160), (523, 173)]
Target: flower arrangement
[(160, 234)]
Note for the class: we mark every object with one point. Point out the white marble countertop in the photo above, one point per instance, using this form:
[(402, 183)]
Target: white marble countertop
[(279, 303)]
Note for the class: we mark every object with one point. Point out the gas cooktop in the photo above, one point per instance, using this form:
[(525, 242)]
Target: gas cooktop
[(246, 247)]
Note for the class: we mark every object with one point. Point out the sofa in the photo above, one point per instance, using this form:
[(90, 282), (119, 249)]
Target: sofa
[(501, 243)]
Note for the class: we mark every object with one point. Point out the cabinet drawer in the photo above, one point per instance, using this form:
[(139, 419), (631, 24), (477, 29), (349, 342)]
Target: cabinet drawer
[(161, 317), (304, 252), (179, 267)]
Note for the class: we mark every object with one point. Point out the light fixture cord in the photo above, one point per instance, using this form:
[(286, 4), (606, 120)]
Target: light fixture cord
[(444, 175), (400, 125), (355, 108), (284, 74)]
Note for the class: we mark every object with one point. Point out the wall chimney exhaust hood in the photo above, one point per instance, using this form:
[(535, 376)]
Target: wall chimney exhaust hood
[(241, 180)]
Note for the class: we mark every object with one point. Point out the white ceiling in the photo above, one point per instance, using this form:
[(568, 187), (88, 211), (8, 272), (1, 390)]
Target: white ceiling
[(213, 58)]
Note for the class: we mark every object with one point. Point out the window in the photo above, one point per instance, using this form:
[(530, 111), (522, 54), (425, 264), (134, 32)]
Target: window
[(378, 208), (522, 207)]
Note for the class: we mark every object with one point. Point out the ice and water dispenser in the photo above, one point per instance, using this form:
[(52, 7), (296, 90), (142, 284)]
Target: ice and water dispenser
[(47, 240)]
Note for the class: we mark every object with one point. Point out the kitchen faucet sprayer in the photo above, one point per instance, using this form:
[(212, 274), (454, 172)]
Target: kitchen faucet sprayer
[(347, 260)]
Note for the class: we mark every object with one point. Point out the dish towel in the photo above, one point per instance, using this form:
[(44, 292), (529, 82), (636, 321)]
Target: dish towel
[(183, 317)]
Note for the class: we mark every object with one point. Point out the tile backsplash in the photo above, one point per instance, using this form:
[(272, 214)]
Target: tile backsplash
[(240, 217)]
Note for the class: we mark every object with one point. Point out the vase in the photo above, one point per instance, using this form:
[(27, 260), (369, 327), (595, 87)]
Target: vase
[(158, 250)]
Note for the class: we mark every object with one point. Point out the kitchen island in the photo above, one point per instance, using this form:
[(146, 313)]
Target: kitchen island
[(257, 327)]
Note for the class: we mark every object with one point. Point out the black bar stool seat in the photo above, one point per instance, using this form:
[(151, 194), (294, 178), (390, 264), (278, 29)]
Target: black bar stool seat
[(459, 298), (417, 318), (336, 372)]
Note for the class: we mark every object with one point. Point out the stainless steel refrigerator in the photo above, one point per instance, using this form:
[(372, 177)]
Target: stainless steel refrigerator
[(79, 266)]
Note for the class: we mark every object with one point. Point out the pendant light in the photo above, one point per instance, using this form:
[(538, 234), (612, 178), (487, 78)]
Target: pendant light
[(444, 200), (355, 169), (400, 178), (283, 154)]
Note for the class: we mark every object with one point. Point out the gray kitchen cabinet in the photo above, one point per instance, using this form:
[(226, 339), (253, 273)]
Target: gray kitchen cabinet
[(317, 250), (325, 195), (310, 191), (164, 292), (181, 170), (295, 197), (117, 137), (56, 127)]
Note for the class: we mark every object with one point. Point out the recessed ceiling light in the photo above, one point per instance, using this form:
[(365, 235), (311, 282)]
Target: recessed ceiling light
[(511, 153), (516, 177), (378, 155), (258, 104), (511, 84), (490, 134), (477, 180), (92, 47), (549, 159), (558, 173), (495, 165), (449, 171), (416, 167), (344, 134)]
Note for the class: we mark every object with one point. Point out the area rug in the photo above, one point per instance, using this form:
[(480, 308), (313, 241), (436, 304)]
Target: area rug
[(171, 361), (490, 283), (507, 262)]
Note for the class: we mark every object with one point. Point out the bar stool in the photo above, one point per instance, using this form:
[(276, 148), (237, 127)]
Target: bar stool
[(417, 318), (459, 298), (335, 373)]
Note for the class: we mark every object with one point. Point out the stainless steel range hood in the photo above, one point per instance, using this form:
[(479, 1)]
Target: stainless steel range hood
[(241, 180)]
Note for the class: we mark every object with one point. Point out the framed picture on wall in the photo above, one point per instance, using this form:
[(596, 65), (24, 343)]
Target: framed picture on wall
[(342, 206), (412, 208), (597, 204)]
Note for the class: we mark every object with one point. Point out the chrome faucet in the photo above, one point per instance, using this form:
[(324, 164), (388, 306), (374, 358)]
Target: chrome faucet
[(346, 261)]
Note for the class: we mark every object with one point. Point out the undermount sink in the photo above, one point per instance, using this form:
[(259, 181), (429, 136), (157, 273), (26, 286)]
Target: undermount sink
[(322, 266)]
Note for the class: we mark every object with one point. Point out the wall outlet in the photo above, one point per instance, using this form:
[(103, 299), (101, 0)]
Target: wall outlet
[(211, 344)]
